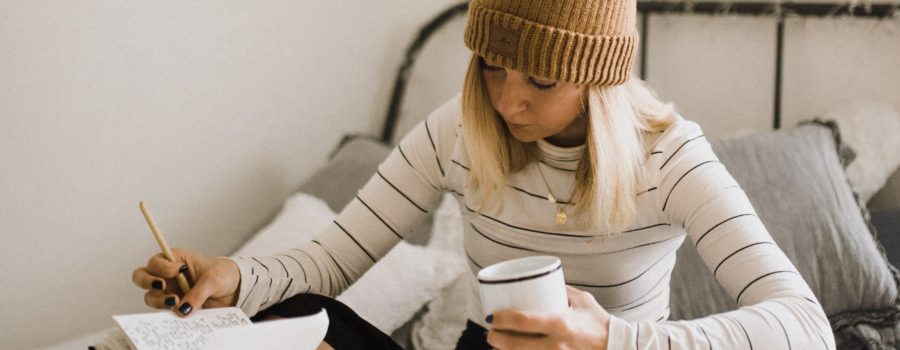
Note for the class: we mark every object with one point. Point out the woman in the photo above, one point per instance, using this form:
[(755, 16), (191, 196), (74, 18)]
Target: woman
[(551, 149)]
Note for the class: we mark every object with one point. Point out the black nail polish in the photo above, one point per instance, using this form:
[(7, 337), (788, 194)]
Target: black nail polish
[(91, 348), (157, 285), (185, 309), (170, 301), (183, 268), (489, 319)]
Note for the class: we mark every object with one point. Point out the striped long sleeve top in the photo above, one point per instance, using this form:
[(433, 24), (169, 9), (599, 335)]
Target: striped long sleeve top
[(689, 194)]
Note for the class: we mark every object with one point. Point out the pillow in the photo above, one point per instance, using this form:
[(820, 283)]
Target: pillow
[(889, 195), (416, 273), (352, 164), (797, 185), (445, 316), (887, 226), (301, 217), (871, 128)]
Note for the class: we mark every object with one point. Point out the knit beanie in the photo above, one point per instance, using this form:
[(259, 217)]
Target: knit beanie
[(590, 42)]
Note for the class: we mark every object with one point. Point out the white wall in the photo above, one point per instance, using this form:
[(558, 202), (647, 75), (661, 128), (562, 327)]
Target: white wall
[(854, 60), (717, 70), (720, 70), (210, 111)]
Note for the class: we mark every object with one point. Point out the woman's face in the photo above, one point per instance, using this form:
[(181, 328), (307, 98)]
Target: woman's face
[(536, 108)]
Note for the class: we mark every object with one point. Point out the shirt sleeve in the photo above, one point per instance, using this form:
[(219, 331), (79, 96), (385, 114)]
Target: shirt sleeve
[(777, 309), (406, 187)]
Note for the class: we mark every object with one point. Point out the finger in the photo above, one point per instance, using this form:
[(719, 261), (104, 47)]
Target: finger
[(198, 295), (160, 300), (499, 339), (579, 298), (162, 267), (526, 322), (142, 278)]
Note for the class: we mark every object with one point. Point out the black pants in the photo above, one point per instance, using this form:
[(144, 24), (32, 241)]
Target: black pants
[(348, 331), (474, 337)]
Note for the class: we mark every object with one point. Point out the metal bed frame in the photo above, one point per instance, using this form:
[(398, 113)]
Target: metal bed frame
[(648, 8)]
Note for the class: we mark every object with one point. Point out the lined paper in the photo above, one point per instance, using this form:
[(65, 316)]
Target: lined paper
[(166, 331)]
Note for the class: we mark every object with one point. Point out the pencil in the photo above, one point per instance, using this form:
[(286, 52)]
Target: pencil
[(182, 281)]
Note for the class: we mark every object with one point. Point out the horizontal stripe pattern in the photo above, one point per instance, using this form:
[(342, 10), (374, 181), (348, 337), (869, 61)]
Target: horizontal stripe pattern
[(688, 195), (520, 279)]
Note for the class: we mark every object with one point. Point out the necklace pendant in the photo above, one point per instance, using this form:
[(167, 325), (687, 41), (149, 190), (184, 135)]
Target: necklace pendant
[(561, 218), (550, 198)]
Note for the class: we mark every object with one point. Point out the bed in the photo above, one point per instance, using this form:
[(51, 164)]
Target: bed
[(843, 237), (828, 189)]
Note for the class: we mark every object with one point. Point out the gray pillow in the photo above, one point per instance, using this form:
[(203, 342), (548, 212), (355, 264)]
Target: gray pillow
[(796, 183), (888, 197), (887, 228), (350, 167)]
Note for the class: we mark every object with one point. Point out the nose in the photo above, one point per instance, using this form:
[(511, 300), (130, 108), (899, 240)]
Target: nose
[(513, 96)]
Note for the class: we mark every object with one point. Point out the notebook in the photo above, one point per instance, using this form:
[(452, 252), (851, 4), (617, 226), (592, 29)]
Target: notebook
[(220, 328)]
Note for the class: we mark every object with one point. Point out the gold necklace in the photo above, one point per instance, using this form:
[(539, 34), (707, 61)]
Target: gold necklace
[(561, 216)]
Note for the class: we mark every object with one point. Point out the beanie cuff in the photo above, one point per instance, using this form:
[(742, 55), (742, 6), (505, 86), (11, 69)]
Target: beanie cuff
[(549, 52)]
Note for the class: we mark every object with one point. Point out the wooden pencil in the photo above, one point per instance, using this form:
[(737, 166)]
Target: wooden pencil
[(182, 280)]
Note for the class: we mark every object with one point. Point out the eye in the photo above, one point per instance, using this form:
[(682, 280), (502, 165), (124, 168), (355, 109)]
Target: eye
[(541, 86)]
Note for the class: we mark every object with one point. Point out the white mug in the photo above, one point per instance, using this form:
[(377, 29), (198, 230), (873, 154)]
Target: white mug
[(533, 283)]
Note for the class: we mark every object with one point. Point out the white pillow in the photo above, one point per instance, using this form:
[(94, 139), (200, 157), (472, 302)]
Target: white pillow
[(445, 319), (301, 218), (387, 295), (872, 129)]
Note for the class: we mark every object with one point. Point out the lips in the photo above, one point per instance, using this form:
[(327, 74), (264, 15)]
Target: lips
[(515, 126)]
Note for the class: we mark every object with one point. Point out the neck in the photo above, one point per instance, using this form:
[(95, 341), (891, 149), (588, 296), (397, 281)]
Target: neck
[(574, 135)]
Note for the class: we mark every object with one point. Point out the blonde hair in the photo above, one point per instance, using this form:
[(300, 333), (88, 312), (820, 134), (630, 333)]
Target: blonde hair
[(611, 172)]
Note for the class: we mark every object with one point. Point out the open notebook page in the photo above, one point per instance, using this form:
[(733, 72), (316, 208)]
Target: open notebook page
[(166, 331)]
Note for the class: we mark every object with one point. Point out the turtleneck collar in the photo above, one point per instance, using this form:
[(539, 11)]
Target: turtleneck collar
[(560, 157)]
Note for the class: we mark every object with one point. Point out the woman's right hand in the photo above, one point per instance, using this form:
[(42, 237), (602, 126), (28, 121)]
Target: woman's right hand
[(214, 282)]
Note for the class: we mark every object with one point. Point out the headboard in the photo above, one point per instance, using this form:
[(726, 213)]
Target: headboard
[(439, 57)]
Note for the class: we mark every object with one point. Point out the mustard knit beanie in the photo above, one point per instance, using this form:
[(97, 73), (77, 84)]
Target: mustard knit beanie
[(589, 42)]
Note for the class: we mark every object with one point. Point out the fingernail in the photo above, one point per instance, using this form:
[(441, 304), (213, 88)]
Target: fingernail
[(91, 348), (157, 285), (170, 301), (489, 319), (183, 268), (185, 309)]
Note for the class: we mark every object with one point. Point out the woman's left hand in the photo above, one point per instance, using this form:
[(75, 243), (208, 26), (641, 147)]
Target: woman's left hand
[(585, 325)]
